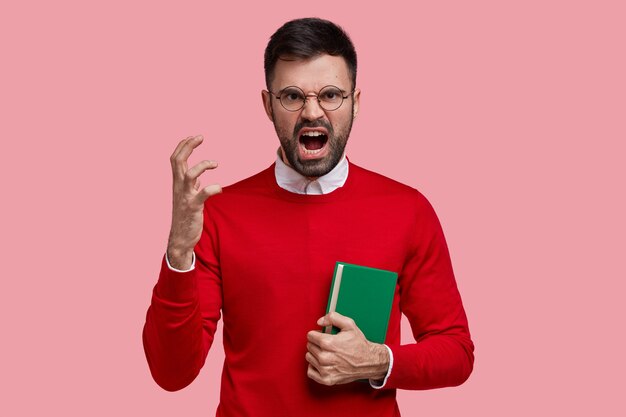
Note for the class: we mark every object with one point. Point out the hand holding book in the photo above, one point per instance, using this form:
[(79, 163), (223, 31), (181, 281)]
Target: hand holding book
[(344, 357), (355, 326)]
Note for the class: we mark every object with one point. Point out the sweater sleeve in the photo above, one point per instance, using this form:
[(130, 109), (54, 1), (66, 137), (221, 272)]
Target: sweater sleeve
[(183, 315), (443, 352)]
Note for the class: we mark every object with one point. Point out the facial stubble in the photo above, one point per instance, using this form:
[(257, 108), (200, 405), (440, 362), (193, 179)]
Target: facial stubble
[(314, 168)]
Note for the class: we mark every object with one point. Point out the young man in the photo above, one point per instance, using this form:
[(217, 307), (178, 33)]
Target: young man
[(263, 251)]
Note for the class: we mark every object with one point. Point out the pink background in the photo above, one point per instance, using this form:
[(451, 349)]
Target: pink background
[(508, 116)]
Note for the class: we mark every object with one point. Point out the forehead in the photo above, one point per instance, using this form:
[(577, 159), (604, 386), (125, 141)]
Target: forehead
[(312, 74)]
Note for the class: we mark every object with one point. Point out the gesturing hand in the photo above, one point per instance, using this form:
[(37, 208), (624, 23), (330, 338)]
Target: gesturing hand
[(188, 202), (345, 356)]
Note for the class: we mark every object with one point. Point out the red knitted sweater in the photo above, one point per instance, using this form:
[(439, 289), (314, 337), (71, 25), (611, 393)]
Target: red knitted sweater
[(265, 261)]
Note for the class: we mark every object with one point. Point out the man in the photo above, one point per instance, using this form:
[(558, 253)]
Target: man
[(263, 252)]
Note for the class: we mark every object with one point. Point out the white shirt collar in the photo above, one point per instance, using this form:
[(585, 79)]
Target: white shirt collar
[(291, 180)]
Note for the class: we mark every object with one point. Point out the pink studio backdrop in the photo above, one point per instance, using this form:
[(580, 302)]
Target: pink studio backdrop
[(508, 116)]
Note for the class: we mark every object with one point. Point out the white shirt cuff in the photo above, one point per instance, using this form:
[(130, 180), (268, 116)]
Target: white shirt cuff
[(374, 383), (191, 268)]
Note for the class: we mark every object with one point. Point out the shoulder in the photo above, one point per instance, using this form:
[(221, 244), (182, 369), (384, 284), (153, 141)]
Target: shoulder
[(254, 187), (401, 205), (378, 185), (258, 182)]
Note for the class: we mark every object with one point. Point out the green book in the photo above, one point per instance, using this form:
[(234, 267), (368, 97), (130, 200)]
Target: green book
[(365, 295)]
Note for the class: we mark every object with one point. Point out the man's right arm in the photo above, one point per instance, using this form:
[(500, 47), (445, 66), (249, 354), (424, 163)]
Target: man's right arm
[(180, 323)]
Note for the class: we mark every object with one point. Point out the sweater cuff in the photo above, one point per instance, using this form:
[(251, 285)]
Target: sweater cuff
[(375, 383), (176, 285)]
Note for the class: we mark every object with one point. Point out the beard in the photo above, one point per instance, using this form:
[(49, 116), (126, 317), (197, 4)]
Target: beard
[(336, 142)]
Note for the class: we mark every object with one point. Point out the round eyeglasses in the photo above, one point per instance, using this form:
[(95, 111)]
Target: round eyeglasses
[(330, 98)]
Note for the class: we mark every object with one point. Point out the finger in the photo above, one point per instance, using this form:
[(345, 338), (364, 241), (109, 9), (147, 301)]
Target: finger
[(179, 147), (337, 320), (179, 161), (189, 146), (207, 192), (322, 340), (314, 349), (320, 357), (194, 172), (312, 360), (316, 375), (314, 337), (177, 152), (313, 373)]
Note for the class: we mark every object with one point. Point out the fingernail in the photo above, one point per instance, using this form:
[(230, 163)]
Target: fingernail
[(320, 321)]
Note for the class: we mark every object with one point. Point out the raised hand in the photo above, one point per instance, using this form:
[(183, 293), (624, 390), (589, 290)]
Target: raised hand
[(188, 202)]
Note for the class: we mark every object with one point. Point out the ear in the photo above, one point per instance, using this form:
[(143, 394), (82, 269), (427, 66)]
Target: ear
[(356, 102), (267, 104)]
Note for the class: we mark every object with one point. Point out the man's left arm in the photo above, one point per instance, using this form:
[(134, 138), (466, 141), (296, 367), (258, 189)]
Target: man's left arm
[(443, 352)]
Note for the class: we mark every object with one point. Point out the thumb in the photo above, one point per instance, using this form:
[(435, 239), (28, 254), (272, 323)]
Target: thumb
[(337, 320)]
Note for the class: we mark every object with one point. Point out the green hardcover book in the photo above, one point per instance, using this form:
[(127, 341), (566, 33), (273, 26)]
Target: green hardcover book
[(365, 295)]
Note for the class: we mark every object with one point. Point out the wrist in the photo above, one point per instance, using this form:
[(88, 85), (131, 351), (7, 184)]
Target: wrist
[(180, 258), (380, 361)]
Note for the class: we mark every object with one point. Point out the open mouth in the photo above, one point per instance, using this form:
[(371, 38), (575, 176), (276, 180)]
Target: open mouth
[(313, 142)]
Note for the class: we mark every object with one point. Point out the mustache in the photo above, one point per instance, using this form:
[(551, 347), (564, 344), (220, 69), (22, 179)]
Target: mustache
[(316, 123)]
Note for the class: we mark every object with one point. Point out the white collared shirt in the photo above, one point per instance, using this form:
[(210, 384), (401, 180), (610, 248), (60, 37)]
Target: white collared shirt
[(291, 180)]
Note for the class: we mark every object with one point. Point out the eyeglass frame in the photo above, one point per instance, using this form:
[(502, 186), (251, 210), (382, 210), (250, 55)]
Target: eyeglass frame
[(316, 95)]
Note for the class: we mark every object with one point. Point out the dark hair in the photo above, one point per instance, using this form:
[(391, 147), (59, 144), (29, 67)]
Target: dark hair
[(306, 38)]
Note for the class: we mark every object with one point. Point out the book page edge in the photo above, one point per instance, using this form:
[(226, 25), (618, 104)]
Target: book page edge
[(335, 294)]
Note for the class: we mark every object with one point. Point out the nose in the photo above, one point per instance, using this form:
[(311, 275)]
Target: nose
[(312, 109)]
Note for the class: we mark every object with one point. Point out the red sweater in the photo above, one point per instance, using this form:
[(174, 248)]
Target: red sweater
[(266, 259)]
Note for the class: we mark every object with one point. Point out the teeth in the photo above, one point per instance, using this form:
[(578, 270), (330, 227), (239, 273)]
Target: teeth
[(311, 151), (312, 133)]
